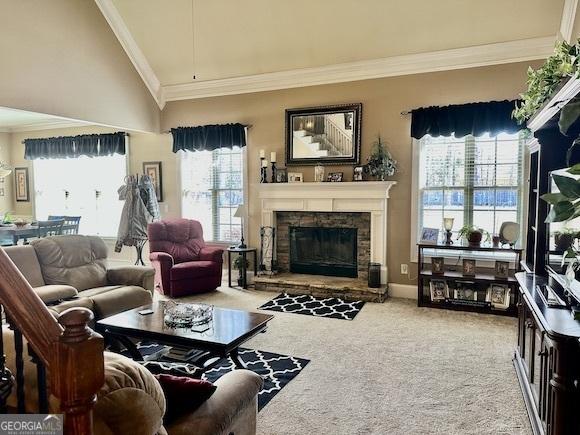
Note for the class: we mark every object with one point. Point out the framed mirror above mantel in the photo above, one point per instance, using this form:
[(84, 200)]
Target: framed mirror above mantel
[(327, 135)]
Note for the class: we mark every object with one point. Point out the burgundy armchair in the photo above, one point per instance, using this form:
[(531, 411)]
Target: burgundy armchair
[(183, 263)]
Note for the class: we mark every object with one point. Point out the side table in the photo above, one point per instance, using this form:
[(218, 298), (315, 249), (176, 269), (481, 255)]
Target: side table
[(243, 252)]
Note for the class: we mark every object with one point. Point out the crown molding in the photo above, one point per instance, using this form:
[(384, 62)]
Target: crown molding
[(468, 57), (568, 17), (133, 51), (49, 125)]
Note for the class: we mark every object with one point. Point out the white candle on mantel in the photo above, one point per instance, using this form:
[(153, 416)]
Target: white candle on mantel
[(273, 156), (264, 163), (262, 154)]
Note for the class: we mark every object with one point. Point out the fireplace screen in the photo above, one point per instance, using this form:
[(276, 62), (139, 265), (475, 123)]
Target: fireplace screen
[(323, 251)]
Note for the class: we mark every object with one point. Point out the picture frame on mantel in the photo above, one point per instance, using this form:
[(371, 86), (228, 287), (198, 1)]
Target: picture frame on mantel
[(21, 185), (325, 135)]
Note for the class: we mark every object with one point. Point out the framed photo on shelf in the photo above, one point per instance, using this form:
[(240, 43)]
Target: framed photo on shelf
[(334, 177), (357, 174), (468, 267), (465, 291), (295, 177), (437, 265), (429, 236), (499, 296), (281, 175), (439, 290), (21, 184), (153, 170), (502, 269)]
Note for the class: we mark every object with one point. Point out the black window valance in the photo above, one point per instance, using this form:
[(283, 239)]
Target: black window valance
[(208, 137), (91, 145), (463, 119)]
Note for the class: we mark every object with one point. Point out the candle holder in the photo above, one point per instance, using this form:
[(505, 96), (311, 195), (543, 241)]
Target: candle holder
[(263, 170), (274, 172)]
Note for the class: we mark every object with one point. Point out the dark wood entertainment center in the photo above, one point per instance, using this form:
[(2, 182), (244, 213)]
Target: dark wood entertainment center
[(547, 357)]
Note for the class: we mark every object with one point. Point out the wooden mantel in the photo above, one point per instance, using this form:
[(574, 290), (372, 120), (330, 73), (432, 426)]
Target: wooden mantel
[(362, 196)]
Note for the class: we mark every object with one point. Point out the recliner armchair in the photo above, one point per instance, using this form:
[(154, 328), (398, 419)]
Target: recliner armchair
[(183, 263)]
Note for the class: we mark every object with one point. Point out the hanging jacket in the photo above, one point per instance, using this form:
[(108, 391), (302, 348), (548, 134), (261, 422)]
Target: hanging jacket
[(148, 195), (134, 218)]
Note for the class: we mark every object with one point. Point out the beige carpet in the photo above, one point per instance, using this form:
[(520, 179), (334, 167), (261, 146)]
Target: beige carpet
[(394, 369)]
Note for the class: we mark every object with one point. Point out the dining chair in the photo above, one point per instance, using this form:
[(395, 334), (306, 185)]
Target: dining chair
[(71, 223), (51, 227)]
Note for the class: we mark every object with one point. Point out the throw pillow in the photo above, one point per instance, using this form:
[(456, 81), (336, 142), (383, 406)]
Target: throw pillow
[(183, 395)]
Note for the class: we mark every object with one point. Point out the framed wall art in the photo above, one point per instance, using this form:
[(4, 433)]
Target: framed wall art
[(21, 184), (153, 169)]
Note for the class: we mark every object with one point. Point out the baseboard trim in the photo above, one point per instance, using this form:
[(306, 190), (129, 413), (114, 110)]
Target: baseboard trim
[(406, 291)]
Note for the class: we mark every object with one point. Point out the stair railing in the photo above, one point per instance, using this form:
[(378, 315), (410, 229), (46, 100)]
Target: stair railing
[(67, 353), (340, 141)]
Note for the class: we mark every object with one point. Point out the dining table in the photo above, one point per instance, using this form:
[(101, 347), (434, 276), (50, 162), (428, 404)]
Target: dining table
[(28, 231)]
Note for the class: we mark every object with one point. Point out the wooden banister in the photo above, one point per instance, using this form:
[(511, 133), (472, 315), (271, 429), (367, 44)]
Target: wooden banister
[(68, 348), (26, 310), (79, 370)]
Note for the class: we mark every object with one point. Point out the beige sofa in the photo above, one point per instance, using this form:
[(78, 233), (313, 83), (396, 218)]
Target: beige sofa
[(132, 402), (71, 271)]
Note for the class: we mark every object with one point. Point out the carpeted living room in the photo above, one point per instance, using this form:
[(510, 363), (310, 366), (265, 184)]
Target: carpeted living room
[(273, 218)]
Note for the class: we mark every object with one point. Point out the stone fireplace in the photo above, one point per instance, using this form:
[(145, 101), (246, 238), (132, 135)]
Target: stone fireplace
[(324, 243), (355, 205)]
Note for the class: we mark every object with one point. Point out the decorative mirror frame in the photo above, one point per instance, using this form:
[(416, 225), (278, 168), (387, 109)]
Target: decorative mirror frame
[(340, 108)]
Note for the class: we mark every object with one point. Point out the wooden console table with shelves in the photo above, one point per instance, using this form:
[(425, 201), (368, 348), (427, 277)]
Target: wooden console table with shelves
[(480, 291)]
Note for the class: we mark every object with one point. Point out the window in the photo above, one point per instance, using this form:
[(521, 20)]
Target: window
[(83, 186), (476, 180), (212, 183)]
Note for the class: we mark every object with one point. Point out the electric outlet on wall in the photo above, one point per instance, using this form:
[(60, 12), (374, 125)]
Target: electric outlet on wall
[(404, 269)]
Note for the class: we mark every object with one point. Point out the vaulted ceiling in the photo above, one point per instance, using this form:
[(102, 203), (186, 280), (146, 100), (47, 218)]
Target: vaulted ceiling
[(232, 40)]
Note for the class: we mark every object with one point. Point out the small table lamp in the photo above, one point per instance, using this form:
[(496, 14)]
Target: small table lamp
[(241, 213), (448, 225)]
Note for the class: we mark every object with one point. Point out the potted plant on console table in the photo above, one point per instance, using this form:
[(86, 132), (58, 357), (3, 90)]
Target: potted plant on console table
[(473, 235)]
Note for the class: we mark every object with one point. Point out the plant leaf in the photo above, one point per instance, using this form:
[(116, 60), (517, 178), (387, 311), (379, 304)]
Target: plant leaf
[(561, 212), (574, 170), (569, 187), (568, 116), (553, 198)]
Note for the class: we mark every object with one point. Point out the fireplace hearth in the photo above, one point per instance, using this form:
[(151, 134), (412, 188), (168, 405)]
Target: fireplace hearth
[(323, 251)]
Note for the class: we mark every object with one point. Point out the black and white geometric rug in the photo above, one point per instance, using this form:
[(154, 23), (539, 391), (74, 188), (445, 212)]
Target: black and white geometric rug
[(276, 370), (335, 308)]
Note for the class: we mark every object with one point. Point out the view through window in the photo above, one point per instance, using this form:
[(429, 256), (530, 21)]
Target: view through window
[(212, 184), (476, 180), (83, 186)]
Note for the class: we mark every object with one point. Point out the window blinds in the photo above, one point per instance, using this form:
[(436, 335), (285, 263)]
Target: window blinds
[(476, 180)]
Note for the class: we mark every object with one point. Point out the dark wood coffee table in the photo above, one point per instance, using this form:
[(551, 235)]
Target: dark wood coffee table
[(228, 330)]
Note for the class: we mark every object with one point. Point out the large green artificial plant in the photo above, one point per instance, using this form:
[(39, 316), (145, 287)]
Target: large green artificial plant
[(563, 64)]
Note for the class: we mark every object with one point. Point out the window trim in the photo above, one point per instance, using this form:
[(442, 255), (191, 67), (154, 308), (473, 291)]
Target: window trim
[(488, 261), (245, 194)]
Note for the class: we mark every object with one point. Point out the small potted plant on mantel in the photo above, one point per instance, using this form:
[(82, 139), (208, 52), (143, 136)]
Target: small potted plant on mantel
[(381, 163), (473, 235)]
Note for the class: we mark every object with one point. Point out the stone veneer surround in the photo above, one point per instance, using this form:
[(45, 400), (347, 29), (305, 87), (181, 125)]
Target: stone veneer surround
[(360, 221)]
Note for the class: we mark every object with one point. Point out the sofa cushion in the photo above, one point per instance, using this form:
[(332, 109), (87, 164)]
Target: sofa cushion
[(75, 302), (193, 269), (99, 290), (53, 293), (121, 299), (24, 257), (131, 401), (79, 261)]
